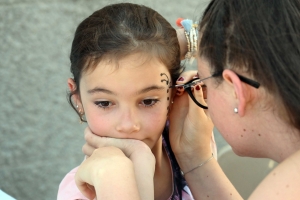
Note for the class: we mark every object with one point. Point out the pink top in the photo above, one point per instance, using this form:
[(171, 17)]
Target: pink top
[(69, 191)]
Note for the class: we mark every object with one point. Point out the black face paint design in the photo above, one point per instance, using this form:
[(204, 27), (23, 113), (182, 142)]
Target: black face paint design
[(167, 80), (168, 83)]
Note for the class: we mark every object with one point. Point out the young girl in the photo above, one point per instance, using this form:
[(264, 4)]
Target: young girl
[(124, 58)]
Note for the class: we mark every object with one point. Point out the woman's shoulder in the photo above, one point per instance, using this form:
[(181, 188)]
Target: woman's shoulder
[(282, 182)]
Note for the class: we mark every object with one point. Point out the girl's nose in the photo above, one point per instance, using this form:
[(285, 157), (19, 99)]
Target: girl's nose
[(128, 123), (128, 128)]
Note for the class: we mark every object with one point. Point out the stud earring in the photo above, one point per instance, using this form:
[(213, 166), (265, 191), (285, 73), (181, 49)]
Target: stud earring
[(81, 114), (235, 110)]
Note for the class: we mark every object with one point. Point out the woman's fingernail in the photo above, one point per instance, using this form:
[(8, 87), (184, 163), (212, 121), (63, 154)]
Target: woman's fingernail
[(198, 87), (180, 79)]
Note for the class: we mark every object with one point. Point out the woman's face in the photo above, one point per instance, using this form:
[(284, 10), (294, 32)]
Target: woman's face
[(127, 99), (214, 100), (221, 102)]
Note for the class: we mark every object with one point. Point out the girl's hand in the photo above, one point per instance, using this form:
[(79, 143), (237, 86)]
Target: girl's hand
[(130, 147), (137, 151), (190, 127), (106, 174)]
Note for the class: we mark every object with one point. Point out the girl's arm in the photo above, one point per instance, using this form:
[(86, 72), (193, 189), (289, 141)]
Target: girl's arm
[(190, 136), (140, 155), (106, 174)]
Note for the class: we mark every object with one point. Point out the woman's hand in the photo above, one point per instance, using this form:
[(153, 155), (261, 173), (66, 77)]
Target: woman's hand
[(106, 173), (137, 151), (190, 127)]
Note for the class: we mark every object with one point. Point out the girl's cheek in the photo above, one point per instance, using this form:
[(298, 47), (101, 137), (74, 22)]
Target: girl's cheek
[(98, 126)]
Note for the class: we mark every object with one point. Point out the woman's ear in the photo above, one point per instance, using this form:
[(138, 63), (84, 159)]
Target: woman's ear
[(72, 87), (239, 90)]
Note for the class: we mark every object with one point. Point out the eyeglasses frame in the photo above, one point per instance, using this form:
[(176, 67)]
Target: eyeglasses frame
[(188, 86)]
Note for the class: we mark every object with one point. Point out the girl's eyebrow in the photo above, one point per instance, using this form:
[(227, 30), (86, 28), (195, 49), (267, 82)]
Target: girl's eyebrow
[(145, 90), (98, 90), (150, 88)]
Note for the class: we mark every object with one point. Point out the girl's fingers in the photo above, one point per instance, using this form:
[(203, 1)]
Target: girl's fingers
[(87, 149), (106, 158), (86, 189), (91, 138), (96, 141), (128, 146)]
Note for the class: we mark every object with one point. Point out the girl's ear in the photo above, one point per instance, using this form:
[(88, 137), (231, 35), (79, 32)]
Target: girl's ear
[(72, 86), (239, 91)]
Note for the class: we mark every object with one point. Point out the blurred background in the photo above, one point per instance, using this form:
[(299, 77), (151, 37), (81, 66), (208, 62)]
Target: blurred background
[(40, 135)]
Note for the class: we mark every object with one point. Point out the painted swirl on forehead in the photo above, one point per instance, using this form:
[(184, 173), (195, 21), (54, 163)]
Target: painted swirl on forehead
[(168, 83), (166, 76)]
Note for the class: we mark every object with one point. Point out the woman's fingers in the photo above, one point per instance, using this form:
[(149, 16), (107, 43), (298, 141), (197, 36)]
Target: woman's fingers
[(200, 121), (190, 126), (202, 115), (184, 78), (198, 94)]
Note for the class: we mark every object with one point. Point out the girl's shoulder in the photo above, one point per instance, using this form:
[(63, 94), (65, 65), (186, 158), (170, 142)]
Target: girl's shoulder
[(282, 182)]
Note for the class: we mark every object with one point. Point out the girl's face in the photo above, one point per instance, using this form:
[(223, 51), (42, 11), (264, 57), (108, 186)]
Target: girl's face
[(127, 99)]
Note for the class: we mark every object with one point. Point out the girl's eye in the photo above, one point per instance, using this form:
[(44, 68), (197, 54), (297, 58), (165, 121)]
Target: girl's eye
[(103, 104), (149, 102)]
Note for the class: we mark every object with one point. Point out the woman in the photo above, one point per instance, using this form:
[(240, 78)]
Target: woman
[(249, 55)]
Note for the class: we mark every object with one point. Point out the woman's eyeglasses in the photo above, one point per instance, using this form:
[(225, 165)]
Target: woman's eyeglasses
[(188, 86)]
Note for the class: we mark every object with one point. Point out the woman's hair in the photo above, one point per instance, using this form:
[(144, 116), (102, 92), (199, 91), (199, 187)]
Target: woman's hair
[(119, 30), (260, 37)]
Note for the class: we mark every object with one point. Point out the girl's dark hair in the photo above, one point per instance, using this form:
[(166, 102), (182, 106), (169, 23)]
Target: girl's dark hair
[(260, 37), (118, 30), (178, 178)]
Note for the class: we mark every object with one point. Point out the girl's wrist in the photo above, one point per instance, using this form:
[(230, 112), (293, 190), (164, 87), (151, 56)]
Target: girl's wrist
[(144, 155), (182, 43), (188, 38)]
